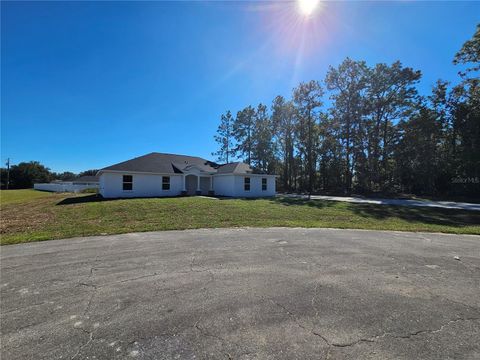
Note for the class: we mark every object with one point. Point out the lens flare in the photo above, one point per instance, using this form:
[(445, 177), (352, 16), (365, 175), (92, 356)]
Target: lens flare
[(307, 7)]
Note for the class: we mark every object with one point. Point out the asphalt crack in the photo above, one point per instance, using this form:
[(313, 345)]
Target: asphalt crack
[(371, 339), (137, 278), (204, 289), (208, 334), (90, 339), (299, 324), (94, 287), (404, 336), (314, 298)]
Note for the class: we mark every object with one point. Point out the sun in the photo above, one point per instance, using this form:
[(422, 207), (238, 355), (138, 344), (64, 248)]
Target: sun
[(307, 7)]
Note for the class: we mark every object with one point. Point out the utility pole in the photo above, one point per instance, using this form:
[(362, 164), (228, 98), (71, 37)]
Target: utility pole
[(8, 171)]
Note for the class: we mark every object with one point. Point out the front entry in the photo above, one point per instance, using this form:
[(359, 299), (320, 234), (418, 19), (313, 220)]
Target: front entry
[(191, 184)]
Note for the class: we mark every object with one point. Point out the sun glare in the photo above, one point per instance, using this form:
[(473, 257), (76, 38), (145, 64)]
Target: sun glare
[(307, 7)]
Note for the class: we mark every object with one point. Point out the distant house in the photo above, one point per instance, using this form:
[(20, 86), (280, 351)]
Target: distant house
[(159, 174), (87, 180)]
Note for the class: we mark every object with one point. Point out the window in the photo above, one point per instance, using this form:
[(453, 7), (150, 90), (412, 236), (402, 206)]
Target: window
[(246, 184), (165, 182), (264, 184), (127, 182)]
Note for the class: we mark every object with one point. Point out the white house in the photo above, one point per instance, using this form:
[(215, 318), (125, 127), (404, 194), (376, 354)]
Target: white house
[(158, 174)]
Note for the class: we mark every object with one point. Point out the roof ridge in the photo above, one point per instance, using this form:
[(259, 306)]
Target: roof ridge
[(162, 153)]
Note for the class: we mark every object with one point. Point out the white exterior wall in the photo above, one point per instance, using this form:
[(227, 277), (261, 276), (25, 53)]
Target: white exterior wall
[(224, 185), (144, 185), (232, 185), (65, 187), (150, 185), (255, 186)]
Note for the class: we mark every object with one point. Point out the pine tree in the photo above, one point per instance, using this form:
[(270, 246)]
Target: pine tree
[(242, 132), (262, 140), (307, 98), (283, 123), (224, 138)]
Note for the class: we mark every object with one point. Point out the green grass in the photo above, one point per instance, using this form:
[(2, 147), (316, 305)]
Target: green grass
[(31, 216), (21, 196)]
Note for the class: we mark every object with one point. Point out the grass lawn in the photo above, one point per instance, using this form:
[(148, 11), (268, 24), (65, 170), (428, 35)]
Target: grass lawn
[(28, 215), (20, 196)]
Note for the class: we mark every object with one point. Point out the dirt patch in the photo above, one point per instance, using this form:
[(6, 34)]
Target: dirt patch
[(17, 218)]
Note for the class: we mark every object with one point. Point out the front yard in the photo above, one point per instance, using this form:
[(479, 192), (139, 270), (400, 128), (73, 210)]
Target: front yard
[(29, 215)]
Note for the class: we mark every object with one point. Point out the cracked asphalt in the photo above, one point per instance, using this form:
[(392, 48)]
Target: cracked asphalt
[(243, 294)]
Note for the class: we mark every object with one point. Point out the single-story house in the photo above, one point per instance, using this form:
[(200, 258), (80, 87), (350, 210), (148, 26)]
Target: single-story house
[(159, 174)]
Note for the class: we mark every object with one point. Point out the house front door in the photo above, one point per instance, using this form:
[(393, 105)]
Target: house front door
[(191, 184)]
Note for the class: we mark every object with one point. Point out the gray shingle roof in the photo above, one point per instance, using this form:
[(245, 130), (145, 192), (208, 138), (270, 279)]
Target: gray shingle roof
[(236, 167), (175, 164)]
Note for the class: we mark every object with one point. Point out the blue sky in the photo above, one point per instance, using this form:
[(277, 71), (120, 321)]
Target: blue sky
[(86, 85)]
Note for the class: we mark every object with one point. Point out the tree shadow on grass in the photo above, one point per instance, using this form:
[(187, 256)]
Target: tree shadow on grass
[(434, 216), (302, 201), (426, 215), (99, 198), (82, 199)]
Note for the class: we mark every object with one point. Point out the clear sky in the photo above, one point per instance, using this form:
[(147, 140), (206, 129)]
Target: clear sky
[(88, 84)]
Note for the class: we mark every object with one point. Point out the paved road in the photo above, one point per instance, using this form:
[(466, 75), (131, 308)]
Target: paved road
[(398, 202), (243, 294)]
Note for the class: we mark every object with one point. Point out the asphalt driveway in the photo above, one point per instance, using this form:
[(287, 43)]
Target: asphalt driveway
[(243, 294)]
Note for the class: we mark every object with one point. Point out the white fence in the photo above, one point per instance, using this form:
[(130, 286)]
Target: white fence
[(64, 187)]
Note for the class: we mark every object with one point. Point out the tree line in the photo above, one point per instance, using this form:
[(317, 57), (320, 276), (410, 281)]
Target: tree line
[(366, 129), (25, 174)]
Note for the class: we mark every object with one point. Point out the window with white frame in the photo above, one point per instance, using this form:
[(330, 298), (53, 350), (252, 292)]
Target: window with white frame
[(165, 182), (264, 184), (127, 182), (246, 184)]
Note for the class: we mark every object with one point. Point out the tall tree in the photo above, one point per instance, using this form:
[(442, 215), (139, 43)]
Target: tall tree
[(307, 98), (469, 55), (419, 152), (464, 105), (262, 141), (330, 155), (243, 127), (464, 110), (224, 138), (391, 94), (283, 123), (348, 83)]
